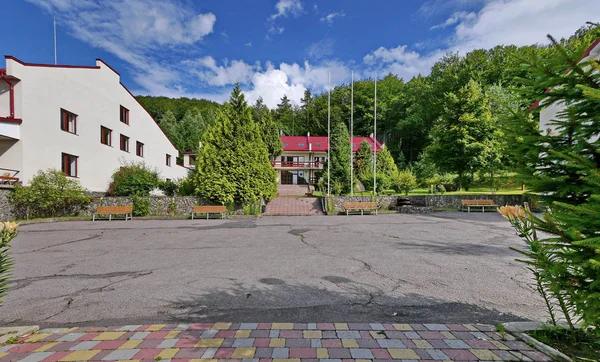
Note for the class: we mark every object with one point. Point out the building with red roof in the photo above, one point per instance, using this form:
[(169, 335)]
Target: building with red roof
[(303, 157)]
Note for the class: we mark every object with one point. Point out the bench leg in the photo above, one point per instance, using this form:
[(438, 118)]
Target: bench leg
[(207, 216), (361, 212), (93, 217), (483, 209), (346, 212), (109, 217), (468, 208), (192, 215), (375, 211)]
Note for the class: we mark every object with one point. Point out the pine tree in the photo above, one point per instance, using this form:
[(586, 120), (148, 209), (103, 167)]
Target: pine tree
[(190, 130), (307, 114), (233, 163), (464, 138), (363, 161), (284, 115), (340, 157), (270, 135)]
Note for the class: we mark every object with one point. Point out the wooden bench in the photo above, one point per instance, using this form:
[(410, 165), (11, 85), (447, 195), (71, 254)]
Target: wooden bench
[(360, 206), (468, 204), (210, 209), (114, 210)]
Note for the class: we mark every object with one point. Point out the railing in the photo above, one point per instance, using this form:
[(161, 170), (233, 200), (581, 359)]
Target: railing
[(7, 177), (286, 164)]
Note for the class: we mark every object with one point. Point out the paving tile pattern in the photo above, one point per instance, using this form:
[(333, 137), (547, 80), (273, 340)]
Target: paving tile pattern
[(272, 342), (293, 206)]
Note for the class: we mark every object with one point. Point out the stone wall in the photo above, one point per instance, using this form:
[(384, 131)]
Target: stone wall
[(5, 209), (435, 201)]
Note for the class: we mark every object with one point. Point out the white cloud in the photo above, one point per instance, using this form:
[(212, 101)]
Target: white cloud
[(498, 22), (329, 18), (136, 31), (521, 22), (322, 49), (287, 7), (455, 18), (207, 70), (276, 29), (385, 55)]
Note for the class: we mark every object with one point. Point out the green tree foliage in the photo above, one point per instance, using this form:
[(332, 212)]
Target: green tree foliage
[(190, 129), (385, 162), (134, 179), (284, 115), (363, 161), (340, 159), (268, 128), (563, 247), (306, 121), (50, 193), (575, 130), (168, 123), (158, 106), (8, 231), (403, 181), (464, 139), (233, 163)]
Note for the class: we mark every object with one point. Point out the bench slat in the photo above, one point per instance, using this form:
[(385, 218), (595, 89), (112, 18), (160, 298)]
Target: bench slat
[(104, 210), (478, 202), (210, 208)]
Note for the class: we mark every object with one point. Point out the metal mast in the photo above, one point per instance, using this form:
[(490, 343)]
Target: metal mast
[(328, 132), (351, 136), (375, 141), (55, 40)]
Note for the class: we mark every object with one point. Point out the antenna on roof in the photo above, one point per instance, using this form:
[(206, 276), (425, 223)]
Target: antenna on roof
[(55, 40)]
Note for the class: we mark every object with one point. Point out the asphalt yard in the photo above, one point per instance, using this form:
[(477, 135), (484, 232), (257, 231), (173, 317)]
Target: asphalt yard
[(391, 268)]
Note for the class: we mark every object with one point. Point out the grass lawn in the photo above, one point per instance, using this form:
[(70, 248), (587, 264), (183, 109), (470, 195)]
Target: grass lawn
[(425, 192)]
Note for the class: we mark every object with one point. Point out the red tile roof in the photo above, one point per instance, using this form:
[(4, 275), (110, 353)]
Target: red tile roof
[(319, 143)]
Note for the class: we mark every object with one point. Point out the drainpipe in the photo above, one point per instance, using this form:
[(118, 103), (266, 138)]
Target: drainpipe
[(12, 95)]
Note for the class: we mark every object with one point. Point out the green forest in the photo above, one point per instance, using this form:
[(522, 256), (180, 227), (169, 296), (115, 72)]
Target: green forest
[(472, 94)]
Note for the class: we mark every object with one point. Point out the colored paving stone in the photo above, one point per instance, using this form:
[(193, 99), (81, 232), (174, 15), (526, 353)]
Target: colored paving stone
[(271, 342)]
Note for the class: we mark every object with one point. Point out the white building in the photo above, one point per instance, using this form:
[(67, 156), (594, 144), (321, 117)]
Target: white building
[(80, 119), (551, 111)]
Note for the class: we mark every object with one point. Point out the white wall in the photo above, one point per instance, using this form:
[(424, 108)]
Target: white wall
[(95, 95), (11, 156), (4, 99)]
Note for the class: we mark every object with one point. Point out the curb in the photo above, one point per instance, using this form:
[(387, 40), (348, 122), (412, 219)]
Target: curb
[(7, 333), (518, 329)]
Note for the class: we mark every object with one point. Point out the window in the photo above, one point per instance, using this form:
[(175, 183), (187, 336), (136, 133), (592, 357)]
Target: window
[(124, 115), (68, 121), (69, 164), (300, 144), (105, 136), (139, 148), (124, 143), (168, 160)]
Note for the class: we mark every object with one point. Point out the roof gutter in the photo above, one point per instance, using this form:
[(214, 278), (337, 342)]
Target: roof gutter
[(12, 94)]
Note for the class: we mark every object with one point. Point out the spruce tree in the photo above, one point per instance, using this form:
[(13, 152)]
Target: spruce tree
[(363, 161), (233, 163), (340, 157), (385, 162), (168, 123)]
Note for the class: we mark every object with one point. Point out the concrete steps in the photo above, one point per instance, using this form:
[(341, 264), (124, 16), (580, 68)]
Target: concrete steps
[(294, 206)]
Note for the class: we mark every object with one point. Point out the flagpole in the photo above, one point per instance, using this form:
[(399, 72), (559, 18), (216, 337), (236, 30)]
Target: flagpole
[(351, 136), (55, 40), (375, 142), (328, 132)]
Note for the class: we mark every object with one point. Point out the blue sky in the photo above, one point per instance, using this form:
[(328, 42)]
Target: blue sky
[(199, 48)]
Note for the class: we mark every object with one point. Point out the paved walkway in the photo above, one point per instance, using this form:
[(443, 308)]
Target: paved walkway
[(293, 206), (272, 342)]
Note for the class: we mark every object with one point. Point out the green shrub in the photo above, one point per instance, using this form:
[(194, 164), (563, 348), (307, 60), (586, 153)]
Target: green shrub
[(404, 181), (383, 182), (169, 187), (141, 205), (8, 231), (186, 187), (134, 179), (49, 194)]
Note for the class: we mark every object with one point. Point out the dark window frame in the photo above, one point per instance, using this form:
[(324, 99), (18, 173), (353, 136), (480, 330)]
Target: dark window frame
[(109, 136), (124, 143), (139, 148), (66, 166), (64, 121), (168, 160), (124, 115)]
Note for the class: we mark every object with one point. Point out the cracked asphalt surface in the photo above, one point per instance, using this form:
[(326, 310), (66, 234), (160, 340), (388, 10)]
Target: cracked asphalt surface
[(440, 268)]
